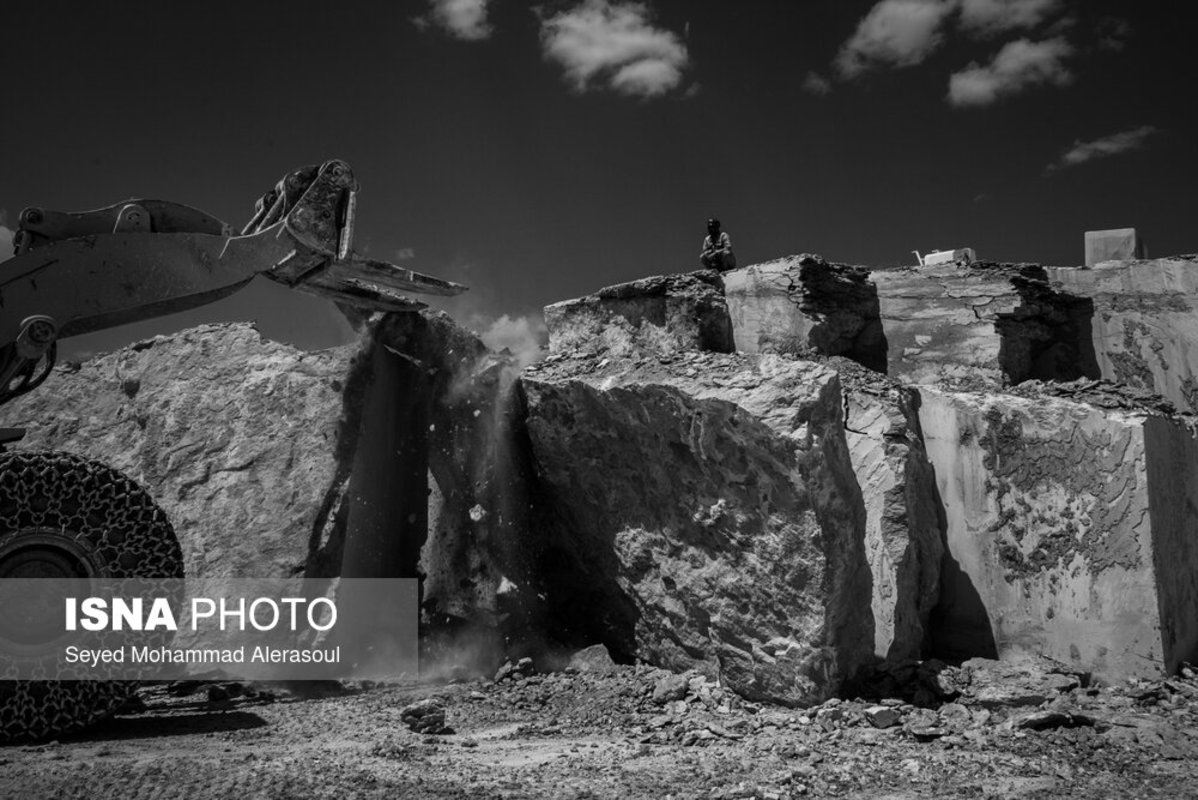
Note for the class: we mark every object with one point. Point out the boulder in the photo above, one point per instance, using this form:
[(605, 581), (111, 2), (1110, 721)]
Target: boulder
[(663, 314), (703, 513), (1070, 510)]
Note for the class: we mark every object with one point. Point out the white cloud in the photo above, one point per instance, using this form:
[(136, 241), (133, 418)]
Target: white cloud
[(523, 337), (1107, 146), (1019, 65), (815, 83), (992, 17), (615, 43), (464, 19), (1113, 33), (895, 33)]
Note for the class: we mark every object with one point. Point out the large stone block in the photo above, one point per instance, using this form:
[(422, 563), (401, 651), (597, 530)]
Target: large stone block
[(663, 314), (803, 305), (1144, 331), (1118, 244), (1070, 515), (240, 439), (995, 323), (706, 515)]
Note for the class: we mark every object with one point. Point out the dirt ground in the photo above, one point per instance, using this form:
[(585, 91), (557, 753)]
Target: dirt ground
[(627, 732)]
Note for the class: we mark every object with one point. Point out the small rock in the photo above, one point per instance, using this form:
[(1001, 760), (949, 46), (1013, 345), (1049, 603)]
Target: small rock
[(425, 716), (1048, 720), (882, 716), (670, 688), (593, 659)]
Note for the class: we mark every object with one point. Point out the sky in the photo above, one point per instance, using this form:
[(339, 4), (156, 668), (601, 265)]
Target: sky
[(539, 151)]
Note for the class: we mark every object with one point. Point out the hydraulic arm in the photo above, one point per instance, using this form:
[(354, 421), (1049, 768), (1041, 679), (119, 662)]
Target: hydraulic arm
[(74, 273)]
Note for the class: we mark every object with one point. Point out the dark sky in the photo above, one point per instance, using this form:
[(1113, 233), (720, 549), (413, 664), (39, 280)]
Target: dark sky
[(482, 160)]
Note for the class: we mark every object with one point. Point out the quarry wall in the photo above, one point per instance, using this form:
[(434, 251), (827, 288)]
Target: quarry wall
[(774, 476)]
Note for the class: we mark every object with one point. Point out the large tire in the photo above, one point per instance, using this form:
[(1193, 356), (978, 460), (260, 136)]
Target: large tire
[(66, 516)]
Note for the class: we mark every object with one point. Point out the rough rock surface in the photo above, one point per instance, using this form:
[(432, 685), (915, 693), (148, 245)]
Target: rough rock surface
[(904, 535), (1067, 528), (997, 323), (802, 304), (238, 438), (1144, 332), (706, 515), (663, 314)]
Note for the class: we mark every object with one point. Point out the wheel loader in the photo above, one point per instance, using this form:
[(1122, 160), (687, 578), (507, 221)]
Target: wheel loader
[(63, 516)]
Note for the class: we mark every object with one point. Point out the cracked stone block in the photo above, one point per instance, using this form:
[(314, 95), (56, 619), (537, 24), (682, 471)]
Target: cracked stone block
[(1118, 244), (990, 323), (904, 540), (705, 514), (1144, 332), (1070, 529), (802, 305), (665, 315)]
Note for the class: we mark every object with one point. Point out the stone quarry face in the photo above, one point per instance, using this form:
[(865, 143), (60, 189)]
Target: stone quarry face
[(706, 515), (960, 460), (1044, 518)]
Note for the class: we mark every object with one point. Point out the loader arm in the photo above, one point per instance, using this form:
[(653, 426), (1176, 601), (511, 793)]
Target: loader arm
[(75, 273)]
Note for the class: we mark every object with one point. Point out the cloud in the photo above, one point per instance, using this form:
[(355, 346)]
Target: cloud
[(1113, 33), (993, 17), (615, 43), (523, 337), (895, 33), (1019, 65), (463, 19), (815, 83), (1107, 146)]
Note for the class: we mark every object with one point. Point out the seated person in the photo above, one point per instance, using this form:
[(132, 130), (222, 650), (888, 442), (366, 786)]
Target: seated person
[(717, 249)]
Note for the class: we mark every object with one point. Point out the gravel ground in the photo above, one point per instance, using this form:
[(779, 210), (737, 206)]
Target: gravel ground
[(630, 732)]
